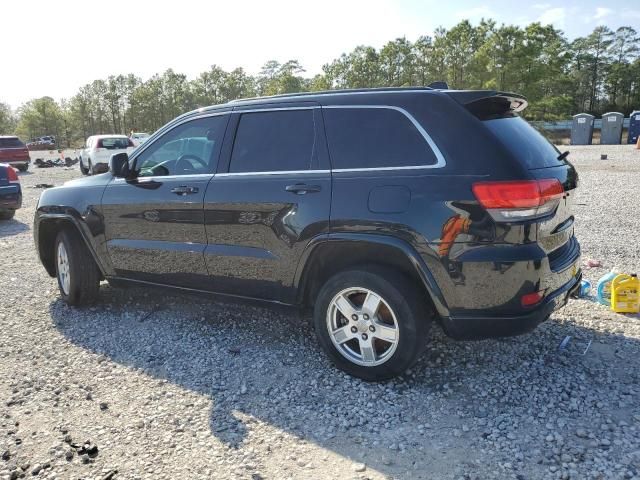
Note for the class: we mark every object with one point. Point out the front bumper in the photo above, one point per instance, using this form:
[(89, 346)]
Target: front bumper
[(480, 327), (10, 197)]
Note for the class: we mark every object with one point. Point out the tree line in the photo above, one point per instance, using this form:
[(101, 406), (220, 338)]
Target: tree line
[(595, 74)]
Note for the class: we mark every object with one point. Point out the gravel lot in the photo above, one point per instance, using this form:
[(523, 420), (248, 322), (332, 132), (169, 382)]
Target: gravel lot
[(175, 386)]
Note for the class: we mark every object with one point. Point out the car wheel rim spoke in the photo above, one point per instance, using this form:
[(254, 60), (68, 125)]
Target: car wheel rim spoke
[(342, 335), (367, 351), (371, 304), (385, 332), (362, 326), (63, 269), (345, 306)]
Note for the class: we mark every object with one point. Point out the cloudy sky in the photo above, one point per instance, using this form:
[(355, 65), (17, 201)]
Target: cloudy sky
[(94, 39)]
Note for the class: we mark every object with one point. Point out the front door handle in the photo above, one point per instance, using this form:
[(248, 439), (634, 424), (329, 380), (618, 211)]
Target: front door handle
[(184, 190), (302, 188)]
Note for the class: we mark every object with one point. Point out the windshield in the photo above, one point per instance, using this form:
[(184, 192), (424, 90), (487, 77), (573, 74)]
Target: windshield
[(11, 143), (524, 142)]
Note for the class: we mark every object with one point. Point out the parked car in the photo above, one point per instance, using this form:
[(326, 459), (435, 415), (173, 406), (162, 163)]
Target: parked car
[(14, 152), (10, 192), (384, 210), (47, 142), (139, 138), (94, 157)]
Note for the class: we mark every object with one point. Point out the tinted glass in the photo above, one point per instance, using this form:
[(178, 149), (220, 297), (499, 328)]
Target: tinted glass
[(373, 138), (10, 143), (190, 148), (524, 142), (274, 141), (113, 143)]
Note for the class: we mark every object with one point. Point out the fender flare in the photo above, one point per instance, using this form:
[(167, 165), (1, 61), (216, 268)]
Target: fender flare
[(410, 253), (66, 214)]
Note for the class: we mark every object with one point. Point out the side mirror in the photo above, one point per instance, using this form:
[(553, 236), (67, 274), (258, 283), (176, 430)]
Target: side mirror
[(119, 165)]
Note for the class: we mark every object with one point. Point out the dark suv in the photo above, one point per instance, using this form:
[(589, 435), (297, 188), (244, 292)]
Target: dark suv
[(384, 210)]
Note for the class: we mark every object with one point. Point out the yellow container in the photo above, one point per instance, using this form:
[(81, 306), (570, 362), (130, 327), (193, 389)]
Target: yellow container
[(625, 294)]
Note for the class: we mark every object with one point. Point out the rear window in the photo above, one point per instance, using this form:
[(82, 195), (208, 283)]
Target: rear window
[(524, 142), (10, 143), (113, 143), (374, 138)]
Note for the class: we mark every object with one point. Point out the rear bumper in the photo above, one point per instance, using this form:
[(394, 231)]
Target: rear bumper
[(10, 197), (478, 327), (17, 163)]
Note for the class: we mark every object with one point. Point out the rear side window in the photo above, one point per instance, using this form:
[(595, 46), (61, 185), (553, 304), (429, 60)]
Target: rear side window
[(374, 138), (10, 143), (524, 142), (274, 141)]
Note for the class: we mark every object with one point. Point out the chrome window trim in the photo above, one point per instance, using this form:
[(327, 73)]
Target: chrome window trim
[(165, 177), (279, 172), (440, 161)]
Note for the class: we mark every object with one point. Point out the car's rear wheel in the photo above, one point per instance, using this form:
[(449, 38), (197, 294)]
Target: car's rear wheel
[(83, 169), (23, 168), (76, 270), (372, 323), (7, 214)]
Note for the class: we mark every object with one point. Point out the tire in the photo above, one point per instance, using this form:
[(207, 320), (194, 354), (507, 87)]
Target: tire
[(83, 170), (402, 317), (7, 214), (23, 168), (76, 270)]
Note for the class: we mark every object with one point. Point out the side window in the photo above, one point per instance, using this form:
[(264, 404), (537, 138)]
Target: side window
[(274, 141), (188, 149), (374, 138)]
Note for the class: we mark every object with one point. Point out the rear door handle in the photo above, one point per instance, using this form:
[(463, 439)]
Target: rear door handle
[(184, 190), (302, 188)]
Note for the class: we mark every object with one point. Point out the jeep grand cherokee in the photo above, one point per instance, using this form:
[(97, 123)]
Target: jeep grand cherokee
[(384, 210)]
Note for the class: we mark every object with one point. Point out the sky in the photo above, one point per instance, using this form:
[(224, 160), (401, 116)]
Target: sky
[(93, 39)]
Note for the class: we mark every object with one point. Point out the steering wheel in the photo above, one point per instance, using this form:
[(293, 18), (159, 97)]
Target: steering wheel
[(188, 165)]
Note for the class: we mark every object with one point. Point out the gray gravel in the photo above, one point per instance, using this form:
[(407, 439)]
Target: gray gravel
[(150, 385)]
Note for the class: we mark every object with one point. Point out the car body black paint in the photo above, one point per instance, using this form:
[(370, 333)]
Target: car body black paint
[(254, 234)]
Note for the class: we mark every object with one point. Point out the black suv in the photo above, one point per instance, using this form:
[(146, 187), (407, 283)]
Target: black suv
[(384, 210)]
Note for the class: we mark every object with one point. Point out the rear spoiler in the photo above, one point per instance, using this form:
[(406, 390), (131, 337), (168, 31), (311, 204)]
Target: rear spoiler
[(487, 104)]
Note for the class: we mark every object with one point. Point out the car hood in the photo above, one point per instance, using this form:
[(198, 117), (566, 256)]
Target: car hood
[(91, 181)]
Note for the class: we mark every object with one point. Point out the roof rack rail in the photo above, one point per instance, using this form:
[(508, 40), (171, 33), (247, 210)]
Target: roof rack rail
[(329, 92)]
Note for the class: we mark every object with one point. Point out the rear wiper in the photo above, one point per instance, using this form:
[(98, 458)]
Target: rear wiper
[(563, 155)]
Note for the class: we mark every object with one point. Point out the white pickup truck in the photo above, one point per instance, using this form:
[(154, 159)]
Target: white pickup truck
[(94, 157)]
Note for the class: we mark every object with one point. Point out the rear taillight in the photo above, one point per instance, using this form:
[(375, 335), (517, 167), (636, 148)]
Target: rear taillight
[(131, 143), (99, 144), (519, 200), (12, 175)]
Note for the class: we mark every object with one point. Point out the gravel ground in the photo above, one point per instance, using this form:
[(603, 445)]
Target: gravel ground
[(155, 386)]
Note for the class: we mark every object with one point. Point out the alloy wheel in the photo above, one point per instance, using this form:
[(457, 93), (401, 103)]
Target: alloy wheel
[(362, 326), (64, 275)]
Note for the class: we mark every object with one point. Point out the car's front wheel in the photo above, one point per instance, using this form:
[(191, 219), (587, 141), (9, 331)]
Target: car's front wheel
[(76, 270), (372, 323)]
